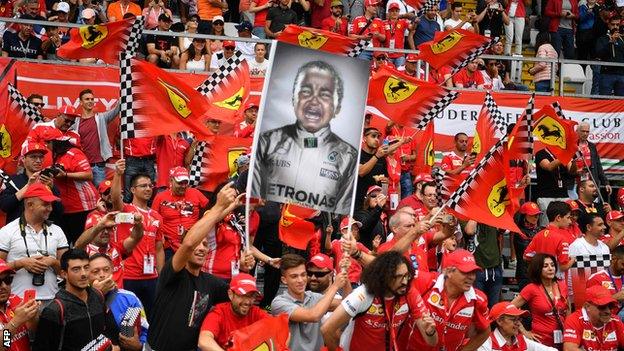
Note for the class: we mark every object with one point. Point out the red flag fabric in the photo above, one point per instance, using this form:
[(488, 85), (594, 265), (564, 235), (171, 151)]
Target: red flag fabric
[(228, 98), (451, 47), (555, 132), (294, 230), (484, 196), (217, 160), (517, 155), (406, 100), (104, 41), (318, 39), (485, 134), (267, 334), (425, 151), (160, 103)]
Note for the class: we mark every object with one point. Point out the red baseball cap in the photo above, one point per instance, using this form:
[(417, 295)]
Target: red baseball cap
[(179, 174), (243, 284), (393, 6), (373, 188), (530, 208), (620, 197), (344, 223), (68, 111), (423, 177), (4, 267), (380, 53), (371, 2), (41, 191), (614, 215), (250, 104), (462, 260), (104, 186), (411, 57), (47, 133), (573, 205), (229, 44), (505, 308), (321, 261), (599, 296), (31, 146)]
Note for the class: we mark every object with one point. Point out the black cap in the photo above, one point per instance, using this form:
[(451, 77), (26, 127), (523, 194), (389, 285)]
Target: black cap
[(164, 18), (370, 129)]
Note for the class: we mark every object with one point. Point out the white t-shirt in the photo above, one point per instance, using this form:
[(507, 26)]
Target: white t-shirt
[(492, 83), (258, 69), (453, 23), (12, 243), (580, 247)]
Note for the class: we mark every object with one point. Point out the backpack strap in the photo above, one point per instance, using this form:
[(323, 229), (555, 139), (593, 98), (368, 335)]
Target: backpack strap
[(62, 318)]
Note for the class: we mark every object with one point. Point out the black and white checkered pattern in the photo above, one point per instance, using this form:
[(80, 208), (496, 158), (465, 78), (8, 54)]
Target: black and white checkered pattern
[(197, 163), (134, 37), (470, 56), (127, 124), (437, 108), (220, 74), (29, 110), (6, 180), (495, 114), (358, 48), (558, 110), (592, 261), (129, 318), (524, 137), (429, 4), (442, 191)]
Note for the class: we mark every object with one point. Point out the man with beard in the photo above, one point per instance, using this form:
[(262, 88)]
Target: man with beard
[(228, 317), (245, 129), (456, 306), (122, 303), (594, 327), (179, 206), (336, 22), (587, 195), (319, 270), (65, 118), (78, 315), (176, 326), (305, 161), (23, 43), (385, 298), (457, 161), (304, 308), (615, 236), (16, 317), (590, 162), (32, 157)]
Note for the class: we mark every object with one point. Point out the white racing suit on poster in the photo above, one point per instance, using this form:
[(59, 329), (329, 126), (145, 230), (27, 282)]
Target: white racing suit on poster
[(310, 169)]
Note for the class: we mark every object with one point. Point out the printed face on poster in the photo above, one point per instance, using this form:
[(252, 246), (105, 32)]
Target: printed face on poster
[(308, 133)]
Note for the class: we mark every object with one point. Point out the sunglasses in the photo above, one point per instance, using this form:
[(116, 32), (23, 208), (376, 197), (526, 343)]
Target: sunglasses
[(7, 280), (318, 274), (38, 104)]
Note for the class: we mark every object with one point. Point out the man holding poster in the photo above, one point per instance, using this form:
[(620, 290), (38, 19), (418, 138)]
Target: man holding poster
[(304, 161)]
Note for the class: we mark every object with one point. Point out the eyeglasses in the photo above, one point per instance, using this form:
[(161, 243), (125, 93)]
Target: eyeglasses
[(217, 23), (144, 186), (402, 277), (38, 104), (318, 274), (7, 280), (68, 121)]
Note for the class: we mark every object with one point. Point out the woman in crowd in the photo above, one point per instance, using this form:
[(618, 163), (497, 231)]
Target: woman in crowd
[(191, 28), (218, 28), (154, 9), (542, 71), (547, 300), (196, 57), (527, 220), (370, 217)]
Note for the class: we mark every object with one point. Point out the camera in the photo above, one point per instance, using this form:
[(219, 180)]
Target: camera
[(53, 170), (39, 278)]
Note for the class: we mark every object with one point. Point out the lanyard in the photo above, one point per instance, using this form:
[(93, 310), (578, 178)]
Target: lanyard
[(24, 48), (45, 236), (391, 336), (554, 308), (613, 280)]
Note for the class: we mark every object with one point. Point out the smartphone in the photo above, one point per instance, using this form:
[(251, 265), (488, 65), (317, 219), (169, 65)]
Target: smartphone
[(124, 218), (48, 172), (29, 294)]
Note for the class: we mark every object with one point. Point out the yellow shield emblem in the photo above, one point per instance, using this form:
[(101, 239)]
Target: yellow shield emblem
[(397, 90), (430, 154), (498, 199), (5, 142), (263, 347), (233, 102), (550, 132), (92, 35), (476, 144), (311, 40), (178, 99), (446, 43), (231, 157)]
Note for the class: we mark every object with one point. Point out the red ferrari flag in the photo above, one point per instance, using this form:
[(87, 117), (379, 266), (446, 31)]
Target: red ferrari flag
[(425, 152), (517, 155), (104, 41), (230, 94), (294, 229), (267, 334), (214, 160), (484, 196), (454, 48), (318, 39), (557, 133), (489, 123), (406, 100), (154, 102)]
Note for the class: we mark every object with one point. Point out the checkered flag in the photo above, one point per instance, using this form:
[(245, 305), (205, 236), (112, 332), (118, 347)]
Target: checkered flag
[(592, 261), (6, 180), (134, 39), (358, 48), (220, 74), (442, 191), (29, 110), (495, 114), (127, 124), (470, 56), (198, 163), (558, 110), (438, 107), (429, 5)]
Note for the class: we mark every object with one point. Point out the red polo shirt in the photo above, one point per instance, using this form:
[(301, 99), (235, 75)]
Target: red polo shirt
[(580, 332), (222, 321), (605, 278), (376, 26), (551, 240), (136, 264)]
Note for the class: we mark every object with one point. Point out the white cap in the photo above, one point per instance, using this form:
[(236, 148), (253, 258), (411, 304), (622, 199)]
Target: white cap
[(218, 18), (88, 13), (63, 7)]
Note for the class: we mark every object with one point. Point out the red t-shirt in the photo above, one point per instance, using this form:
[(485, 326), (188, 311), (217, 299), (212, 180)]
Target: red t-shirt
[(544, 321), (452, 161), (376, 26), (224, 247), (179, 213), (330, 24), (76, 195), (136, 267), (604, 278), (395, 35), (416, 254), (415, 203), (607, 237), (244, 130), (222, 321), (90, 139), (19, 340), (582, 333), (438, 76), (355, 269), (170, 153), (394, 174), (453, 320), (319, 12), (140, 147), (114, 251), (468, 80), (260, 19), (549, 241)]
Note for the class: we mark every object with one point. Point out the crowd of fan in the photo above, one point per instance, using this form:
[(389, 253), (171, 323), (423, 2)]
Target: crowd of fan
[(588, 30), (405, 276)]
